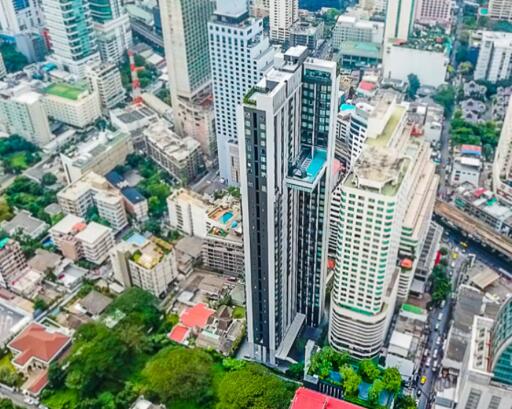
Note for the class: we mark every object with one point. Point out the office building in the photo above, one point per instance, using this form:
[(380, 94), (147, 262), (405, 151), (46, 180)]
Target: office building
[(399, 19), (353, 28), (112, 29), (100, 154), (12, 261), (307, 34), (70, 27), (500, 10), (71, 104), (17, 16), (384, 209), (494, 58), (502, 165), (235, 70), (93, 190), (105, 80), (185, 33), (286, 157), (434, 12), (149, 264), (3, 70), (180, 157), (282, 13), (22, 112), (487, 363)]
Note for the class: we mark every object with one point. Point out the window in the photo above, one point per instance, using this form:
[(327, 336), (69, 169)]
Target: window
[(473, 399)]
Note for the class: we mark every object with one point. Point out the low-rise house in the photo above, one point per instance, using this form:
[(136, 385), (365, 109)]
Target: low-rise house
[(25, 223), (34, 349), (95, 303)]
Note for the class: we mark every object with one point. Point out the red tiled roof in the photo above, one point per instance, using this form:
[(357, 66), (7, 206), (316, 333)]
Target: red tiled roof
[(37, 342), (39, 383), (179, 333), (308, 399), (196, 316)]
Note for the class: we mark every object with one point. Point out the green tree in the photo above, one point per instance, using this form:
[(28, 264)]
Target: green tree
[(414, 85), (7, 404), (141, 306), (296, 371), (392, 380), (177, 373), (351, 381), (253, 387), (445, 96), (405, 402), (49, 179), (368, 370), (40, 304), (375, 390)]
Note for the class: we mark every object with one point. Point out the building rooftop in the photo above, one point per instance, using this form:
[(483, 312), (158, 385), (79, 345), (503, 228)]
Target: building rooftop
[(93, 232), (361, 49), (308, 399), (170, 143), (70, 224), (196, 316), (95, 303), (12, 319), (25, 222), (150, 252), (67, 91)]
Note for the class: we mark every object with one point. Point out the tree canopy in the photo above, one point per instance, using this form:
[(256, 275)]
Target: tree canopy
[(392, 380), (254, 387), (414, 85)]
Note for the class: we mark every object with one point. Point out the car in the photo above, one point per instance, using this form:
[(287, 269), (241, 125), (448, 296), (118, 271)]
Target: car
[(423, 380), (435, 365), (440, 316), (436, 352), (427, 362), (418, 392), (436, 327), (443, 303), (438, 341)]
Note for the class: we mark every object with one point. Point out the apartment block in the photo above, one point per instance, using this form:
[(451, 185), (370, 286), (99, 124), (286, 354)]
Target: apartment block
[(223, 251), (105, 80), (353, 28), (96, 240), (434, 12), (101, 153), (12, 261), (72, 104), (282, 15), (149, 264), (93, 190), (494, 58), (64, 233), (500, 10), (180, 157)]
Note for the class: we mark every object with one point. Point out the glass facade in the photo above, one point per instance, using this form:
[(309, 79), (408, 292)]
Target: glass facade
[(501, 345)]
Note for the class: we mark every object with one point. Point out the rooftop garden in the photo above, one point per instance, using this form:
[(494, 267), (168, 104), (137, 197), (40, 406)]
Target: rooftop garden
[(363, 382), (430, 39), (67, 91)]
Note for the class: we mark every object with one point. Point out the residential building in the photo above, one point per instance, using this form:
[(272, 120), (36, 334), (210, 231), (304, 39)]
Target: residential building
[(93, 190), (3, 71), (494, 58), (284, 201), (282, 13), (149, 264), (74, 105), (487, 363), (307, 34), (23, 113), (353, 28), (112, 29), (434, 12), (500, 10), (385, 211), (502, 166), (399, 19), (132, 119), (32, 45), (180, 157), (188, 213), (99, 154), (20, 16), (309, 399), (223, 251), (33, 350), (465, 170), (135, 203), (260, 8), (105, 80), (64, 233), (12, 261), (70, 28), (26, 224), (235, 70), (187, 57), (96, 240)]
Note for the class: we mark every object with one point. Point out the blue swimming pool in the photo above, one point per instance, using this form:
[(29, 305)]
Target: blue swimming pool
[(317, 162), (226, 217), (137, 239)]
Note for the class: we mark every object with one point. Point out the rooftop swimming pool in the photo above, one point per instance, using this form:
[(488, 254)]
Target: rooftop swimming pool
[(226, 217), (137, 239)]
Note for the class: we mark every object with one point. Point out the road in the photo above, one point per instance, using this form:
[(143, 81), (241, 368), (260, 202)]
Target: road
[(15, 397), (444, 313)]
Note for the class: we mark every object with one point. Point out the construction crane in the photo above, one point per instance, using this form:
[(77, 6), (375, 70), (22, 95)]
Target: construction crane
[(137, 98)]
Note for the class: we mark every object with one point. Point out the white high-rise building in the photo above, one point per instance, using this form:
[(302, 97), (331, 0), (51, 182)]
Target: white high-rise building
[(286, 154), (352, 28), (22, 112), (17, 16), (399, 19), (500, 10), (434, 12), (105, 80), (112, 28), (235, 69), (495, 57), (283, 13), (71, 32), (3, 70)]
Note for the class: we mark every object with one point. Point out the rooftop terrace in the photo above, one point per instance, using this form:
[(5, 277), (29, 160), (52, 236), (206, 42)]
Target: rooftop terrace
[(308, 166), (67, 91)]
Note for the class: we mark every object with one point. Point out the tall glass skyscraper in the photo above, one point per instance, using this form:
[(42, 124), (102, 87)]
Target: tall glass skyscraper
[(286, 136)]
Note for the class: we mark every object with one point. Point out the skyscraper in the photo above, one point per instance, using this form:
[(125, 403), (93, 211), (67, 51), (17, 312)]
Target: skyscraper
[(185, 32), (283, 13), (112, 28), (17, 16), (70, 27), (399, 19), (286, 128), (239, 55)]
